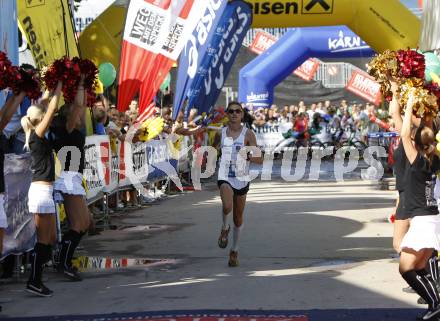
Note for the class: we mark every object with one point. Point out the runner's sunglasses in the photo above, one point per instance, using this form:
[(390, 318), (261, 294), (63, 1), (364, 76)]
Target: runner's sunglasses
[(231, 111)]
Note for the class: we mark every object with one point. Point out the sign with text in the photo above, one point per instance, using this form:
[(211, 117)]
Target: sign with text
[(308, 69), (270, 135), (365, 86), (262, 42)]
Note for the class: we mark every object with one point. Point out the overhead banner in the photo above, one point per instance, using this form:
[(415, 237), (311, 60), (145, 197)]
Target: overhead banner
[(365, 86), (236, 22), (48, 28), (195, 57), (262, 42), (259, 77), (155, 33)]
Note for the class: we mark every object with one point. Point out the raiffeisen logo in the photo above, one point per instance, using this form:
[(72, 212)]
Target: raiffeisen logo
[(261, 7), (346, 43), (256, 97), (275, 7)]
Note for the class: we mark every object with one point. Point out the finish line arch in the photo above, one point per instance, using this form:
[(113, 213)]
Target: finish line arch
[(383, 24), (259, 77)]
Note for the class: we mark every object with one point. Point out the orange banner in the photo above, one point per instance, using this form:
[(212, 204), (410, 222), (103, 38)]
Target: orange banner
[(365, 86), (308, 69), (262, 42)]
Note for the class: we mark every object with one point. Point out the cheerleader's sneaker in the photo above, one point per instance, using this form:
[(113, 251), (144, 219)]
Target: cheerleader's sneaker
[(38, 289), (431, 314)]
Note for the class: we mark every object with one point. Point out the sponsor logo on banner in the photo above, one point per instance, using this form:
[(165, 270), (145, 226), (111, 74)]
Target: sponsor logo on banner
[(292, 7), (237, 27), (195, 58), (144, 24), (47, 34), (34, 3), (183, 28), (262, 42), (275, 7), (307, 70), (255, 98), (365, 86), (199, 38), (346, 43), (317, 7)]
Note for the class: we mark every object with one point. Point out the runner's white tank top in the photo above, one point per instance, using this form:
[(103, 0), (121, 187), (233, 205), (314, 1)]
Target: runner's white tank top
[(228, 169)]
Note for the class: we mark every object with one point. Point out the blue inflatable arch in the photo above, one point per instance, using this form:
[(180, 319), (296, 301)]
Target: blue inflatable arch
[(259, 78)]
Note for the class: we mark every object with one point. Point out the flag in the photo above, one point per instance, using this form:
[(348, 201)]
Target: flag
[(234, 25), (195, 58), (154, 34)]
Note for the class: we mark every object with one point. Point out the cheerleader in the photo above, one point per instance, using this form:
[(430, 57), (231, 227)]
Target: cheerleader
[(40, 198), (423, 235), (401, 223), (69, 144)]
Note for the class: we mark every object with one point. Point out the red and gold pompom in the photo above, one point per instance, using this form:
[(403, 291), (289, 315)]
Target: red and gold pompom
[(8, 72), (411, 64), (29, 82), (69, 71)]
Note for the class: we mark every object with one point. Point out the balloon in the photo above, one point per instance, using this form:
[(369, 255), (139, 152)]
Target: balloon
[(99, 87), (437, 137), (432, 63), (166, 82), (435, 78), (107, 74)]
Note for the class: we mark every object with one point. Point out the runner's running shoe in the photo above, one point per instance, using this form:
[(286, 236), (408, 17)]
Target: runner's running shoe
[(223, 238), (233, 259)]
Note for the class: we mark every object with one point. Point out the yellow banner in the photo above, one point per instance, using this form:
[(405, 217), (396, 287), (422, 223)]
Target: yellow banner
[(48, 28)]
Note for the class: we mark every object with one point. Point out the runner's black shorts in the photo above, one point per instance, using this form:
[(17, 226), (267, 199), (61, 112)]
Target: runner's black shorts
[(239, 192)]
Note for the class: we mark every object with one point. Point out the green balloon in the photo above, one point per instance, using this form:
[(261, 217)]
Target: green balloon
[(432, 64), (166, 82), (107, 74)]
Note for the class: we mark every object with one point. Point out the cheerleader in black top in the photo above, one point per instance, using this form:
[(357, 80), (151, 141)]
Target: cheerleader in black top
[(424, 231), (69, 144), (40, 197), (401, 223)]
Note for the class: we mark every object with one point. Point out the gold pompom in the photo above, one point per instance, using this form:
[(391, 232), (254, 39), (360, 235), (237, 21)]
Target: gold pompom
[(381, 67), (425, 103)]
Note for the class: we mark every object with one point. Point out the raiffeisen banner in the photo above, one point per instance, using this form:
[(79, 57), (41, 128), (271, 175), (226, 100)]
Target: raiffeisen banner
[(195, 58), (259, 78), (235, 22)]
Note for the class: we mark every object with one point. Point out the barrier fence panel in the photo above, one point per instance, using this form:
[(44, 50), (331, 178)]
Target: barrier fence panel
[(20, 235)]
